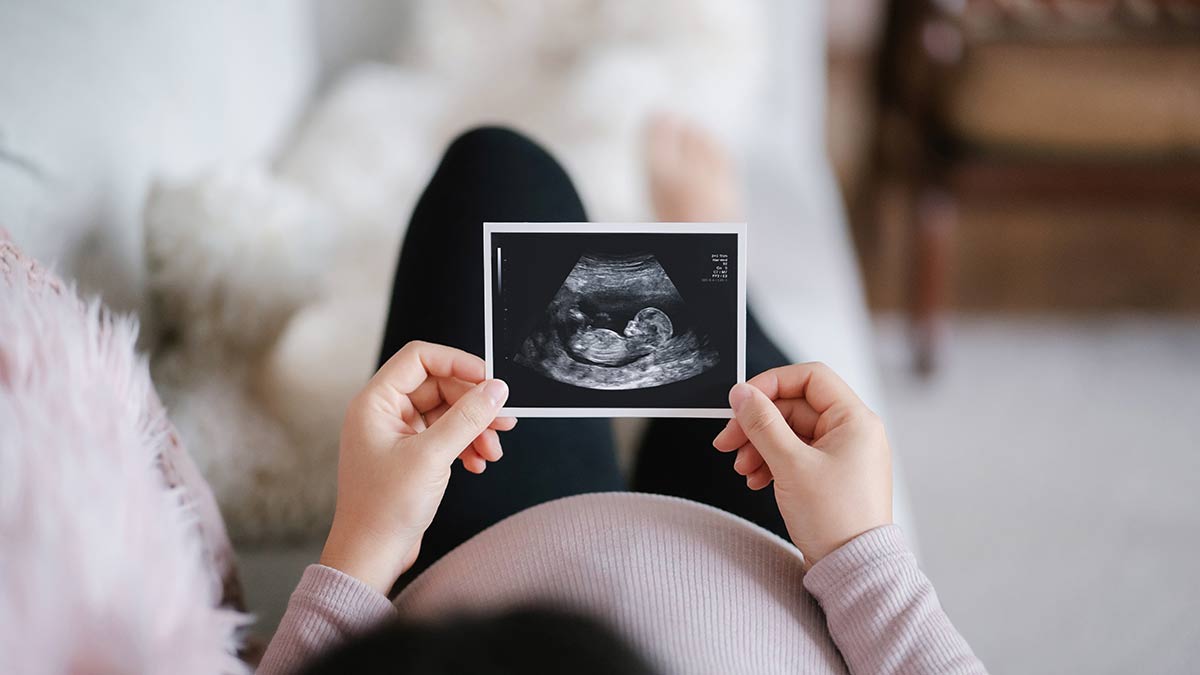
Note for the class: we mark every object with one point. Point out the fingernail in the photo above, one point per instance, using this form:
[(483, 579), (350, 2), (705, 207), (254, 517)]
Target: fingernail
[(497, 391), (739, 395)]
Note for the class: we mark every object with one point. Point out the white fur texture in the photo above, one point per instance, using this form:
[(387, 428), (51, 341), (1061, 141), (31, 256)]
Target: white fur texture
[(260, 409), (100, 565), (232, 256)]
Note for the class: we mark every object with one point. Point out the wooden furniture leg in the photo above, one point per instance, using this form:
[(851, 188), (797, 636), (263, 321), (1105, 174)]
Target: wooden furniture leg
[(934, 221)]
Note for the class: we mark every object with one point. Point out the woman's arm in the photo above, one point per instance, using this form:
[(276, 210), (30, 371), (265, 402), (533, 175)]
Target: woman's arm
[(427, 406), (882, 611), (327, 609), (804, 429)]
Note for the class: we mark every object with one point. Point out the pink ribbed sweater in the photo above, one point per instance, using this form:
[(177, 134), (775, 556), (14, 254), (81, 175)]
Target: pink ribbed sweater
[(696, 589)]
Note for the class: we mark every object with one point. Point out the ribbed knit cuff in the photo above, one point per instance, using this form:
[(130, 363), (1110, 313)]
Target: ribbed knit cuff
[(327, 608), (883, 613), (356, 605), (882, 546)]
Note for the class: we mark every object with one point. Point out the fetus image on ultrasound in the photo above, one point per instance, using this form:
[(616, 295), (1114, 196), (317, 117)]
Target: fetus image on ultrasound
[(617, 322)]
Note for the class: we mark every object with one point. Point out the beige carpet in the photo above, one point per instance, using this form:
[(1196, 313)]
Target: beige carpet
[(1054, 466)]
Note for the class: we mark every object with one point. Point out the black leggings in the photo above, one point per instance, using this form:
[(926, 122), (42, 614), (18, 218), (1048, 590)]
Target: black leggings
[(497, 175)]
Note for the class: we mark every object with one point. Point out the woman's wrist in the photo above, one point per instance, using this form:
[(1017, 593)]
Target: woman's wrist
[(815, 551), (372, 562)]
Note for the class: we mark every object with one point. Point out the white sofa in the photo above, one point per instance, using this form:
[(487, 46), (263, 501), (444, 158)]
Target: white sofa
[(97, 99)]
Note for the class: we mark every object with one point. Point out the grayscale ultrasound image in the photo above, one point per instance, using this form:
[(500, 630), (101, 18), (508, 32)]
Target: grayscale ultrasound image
[(615, 320), (610, 326)]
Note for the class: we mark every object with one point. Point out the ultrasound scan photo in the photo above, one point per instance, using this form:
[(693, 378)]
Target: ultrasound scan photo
[(622, 320)]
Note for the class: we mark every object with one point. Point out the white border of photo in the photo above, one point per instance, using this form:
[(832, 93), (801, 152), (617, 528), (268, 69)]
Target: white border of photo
[(617, 228)]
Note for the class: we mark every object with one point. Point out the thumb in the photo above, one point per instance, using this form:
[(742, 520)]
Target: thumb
[(762, 422), (467, 418)]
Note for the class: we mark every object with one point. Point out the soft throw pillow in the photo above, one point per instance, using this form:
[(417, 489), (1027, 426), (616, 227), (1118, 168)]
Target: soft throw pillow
[(113, 557)]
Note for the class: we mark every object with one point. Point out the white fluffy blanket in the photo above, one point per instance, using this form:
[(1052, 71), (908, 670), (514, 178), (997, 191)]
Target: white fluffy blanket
[(271, 281)]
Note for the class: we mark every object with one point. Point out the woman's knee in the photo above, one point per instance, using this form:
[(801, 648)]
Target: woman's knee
[(508, 176), (495, 145)]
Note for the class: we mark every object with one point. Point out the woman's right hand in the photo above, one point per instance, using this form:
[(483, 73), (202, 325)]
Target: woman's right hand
[(802, 427)]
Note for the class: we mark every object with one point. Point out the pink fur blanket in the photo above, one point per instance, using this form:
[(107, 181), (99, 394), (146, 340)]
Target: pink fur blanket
[(113, 557)]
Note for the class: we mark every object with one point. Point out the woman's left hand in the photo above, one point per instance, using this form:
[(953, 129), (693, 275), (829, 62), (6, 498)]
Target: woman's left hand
[(427, 406)]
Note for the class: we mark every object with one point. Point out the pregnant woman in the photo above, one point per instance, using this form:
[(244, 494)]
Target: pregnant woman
[(783, 560)]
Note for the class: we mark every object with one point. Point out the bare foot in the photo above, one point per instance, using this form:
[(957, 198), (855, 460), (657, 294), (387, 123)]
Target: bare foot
[(692, 179)]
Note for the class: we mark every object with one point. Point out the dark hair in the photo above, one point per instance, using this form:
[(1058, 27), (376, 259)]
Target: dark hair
[(528, 641)]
